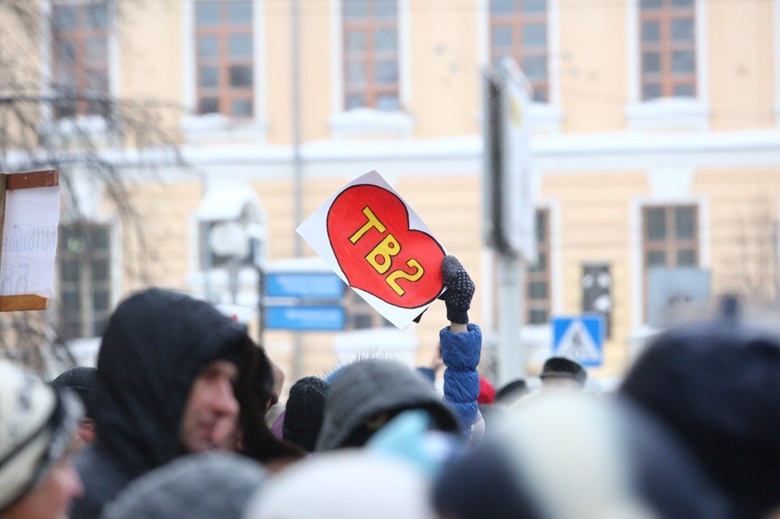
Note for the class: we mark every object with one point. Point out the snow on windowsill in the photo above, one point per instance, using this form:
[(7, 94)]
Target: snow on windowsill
[(217, 127), (546, 118), (368, 122), (668, 114)]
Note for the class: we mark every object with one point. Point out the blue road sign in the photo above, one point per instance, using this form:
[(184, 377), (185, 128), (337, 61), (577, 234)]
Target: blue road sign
[(580, 338), (305, 318), (304, 285)]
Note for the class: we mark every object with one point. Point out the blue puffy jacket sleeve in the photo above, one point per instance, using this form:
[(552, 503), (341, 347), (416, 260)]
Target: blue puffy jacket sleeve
[(460, 353)]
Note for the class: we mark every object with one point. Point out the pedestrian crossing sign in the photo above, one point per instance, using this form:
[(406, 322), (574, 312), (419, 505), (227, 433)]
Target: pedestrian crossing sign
[(579, 338)]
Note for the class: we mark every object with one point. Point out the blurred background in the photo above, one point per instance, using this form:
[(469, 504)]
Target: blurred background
[(193, 136)]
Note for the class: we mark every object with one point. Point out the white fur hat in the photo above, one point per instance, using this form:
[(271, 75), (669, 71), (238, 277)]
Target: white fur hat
[(36, 428)]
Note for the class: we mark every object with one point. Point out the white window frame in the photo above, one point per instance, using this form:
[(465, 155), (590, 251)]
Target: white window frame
[(667, 113), (638, 204), (95, 124), (217, 126), (367, 122), (545, 117)]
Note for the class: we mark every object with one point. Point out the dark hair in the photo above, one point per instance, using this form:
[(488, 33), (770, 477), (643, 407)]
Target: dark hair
[(252, 390), (511, 391)]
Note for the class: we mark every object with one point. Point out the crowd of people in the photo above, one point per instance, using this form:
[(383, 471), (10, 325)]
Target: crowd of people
[(182, 418)]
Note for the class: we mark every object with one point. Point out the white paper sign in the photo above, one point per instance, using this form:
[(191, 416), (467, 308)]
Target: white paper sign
[(378, 245), (30, 241)]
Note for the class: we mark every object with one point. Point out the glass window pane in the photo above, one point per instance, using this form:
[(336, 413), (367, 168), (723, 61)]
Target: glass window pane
[(100, 270), (537, 290), (356, 73), (502, 6), (651, 62), (65, 17), (95, 49), (355, 10), (541, 226), (655, 224), (684, 91), (355, 101), (535, 35), (71, 301), (684, 223), (683, 61), (97, 17), (70, 271), (386, 9), (502, 37), (100, 301), (537, 316), (207, 13), (386, 40), (540, 94), (656, 258), (386, 72), (651, 4), (686, 258), (682, 3), (241, 76), (209, 77), (65, 51), (241, 107), (682, 29), (208, 105), (208, 46), (240, 45), (98, 238), (356, 42), (97, 81), (535, 67), (651, 91), (534, 6), (651, 31), (240, 13), (387, 102)]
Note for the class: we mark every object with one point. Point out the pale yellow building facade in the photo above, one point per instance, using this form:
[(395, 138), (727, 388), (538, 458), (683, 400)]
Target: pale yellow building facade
[(618, 163)]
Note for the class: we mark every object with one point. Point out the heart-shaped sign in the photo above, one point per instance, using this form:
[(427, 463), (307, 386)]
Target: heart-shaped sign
[(368, 230)]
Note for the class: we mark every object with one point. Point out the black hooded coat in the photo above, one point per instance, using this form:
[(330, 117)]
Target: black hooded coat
[(154, 347)]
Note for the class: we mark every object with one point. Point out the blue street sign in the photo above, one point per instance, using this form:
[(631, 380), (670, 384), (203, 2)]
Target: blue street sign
[(305, 318), (304, 285), (580, 338)]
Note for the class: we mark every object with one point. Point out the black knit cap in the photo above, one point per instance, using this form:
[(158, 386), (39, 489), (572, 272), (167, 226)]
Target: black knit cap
[(81, 380), (717, 385), (304, 412), (562, 367)]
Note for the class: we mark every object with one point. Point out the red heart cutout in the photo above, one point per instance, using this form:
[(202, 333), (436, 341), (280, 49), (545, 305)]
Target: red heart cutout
[(368, 229)]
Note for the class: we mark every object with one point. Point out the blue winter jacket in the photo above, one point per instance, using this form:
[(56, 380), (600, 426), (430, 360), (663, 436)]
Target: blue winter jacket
[(460, 353)]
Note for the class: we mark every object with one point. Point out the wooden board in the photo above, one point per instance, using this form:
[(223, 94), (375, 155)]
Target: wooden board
[(26, 180)]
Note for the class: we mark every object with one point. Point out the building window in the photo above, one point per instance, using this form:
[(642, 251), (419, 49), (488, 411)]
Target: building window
[(224, 54), (360, 315), (670, 237), (80, 58), (518, 29), (668, 48), (371, 54), (537, 295), (84, 264)]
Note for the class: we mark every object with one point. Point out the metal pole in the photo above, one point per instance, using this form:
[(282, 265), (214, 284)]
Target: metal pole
[(511, 355), (297, 162), (296, 120)]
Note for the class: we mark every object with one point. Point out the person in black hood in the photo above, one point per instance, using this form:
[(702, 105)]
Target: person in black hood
[(165, 375)]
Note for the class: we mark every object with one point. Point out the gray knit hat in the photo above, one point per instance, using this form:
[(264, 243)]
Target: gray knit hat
[(199, 486), (37, 426), (371, 387)]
